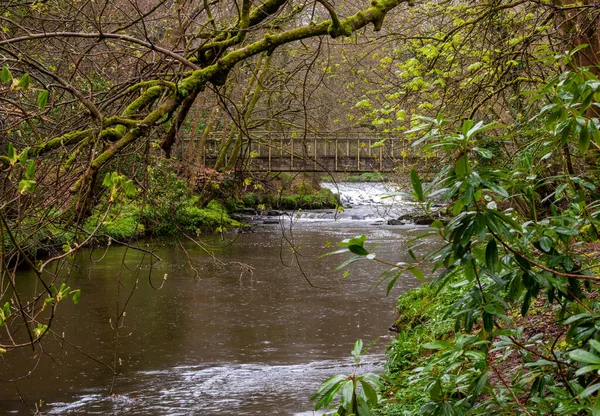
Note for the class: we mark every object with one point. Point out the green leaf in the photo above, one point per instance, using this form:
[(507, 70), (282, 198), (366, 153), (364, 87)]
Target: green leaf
[(484, 153), (478, 386), (370, 392), (467, 125), (596, 408), (347, 262), (491, 255), (76, 296), (391, 284), (360, 250), (49, 302), (373, 379), (107, 182), (595, 344), (497, 189), (328, 384), (358, 346), (23, 157), (328, 397), (564, 230), (358, 241), (416, 184), (526, 303), (347, 394), (488, 322), (363, 408), (480, 128), (563, 130), (438, 345), (462, 166), (26, 186), (42, 99), (578, 317), (417, 273), (590, 390), (467, 196), (584, 139), (437, 224), (586, 369), (129, 188), (545, 244), (5, 74), (436, 391), (30, 173), (584, 357), (24, 81), (11, 153)]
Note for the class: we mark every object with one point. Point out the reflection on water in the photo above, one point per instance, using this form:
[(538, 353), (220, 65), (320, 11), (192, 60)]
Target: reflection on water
[(227, 342)]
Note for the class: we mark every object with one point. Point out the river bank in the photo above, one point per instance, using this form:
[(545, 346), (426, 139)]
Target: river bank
[(165, 206)]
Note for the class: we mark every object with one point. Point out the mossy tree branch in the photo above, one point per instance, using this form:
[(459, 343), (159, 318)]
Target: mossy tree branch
[(196, 81)]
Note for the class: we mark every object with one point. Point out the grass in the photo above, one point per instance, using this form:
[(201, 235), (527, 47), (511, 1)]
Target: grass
[(421, 319)]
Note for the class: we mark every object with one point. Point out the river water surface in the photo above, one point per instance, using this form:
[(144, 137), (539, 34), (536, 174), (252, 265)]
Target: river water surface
[(253, 331)]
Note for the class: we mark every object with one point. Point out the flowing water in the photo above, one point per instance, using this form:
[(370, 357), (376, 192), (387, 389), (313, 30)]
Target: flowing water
[(253, 331)]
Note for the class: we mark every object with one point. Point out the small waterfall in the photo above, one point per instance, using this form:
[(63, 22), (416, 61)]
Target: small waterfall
[(364, 201), (364, 193), (371, 202)]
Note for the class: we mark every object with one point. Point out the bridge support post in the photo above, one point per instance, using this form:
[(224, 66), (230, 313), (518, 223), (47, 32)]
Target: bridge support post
[(315, 152), (358, 155), (336, 154)]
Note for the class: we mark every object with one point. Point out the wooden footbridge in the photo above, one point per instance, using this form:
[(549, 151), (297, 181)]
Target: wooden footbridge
[(352, 153)]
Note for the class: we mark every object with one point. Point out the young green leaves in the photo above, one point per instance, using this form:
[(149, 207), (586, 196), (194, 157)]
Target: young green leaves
[(5, 74), (353, 400), (417, 186), (117, 183)]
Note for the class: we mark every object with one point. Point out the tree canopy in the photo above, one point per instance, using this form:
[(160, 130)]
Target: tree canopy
[(502, 93)]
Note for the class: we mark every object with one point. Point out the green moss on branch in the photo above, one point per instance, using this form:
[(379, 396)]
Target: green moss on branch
[(64, 140)]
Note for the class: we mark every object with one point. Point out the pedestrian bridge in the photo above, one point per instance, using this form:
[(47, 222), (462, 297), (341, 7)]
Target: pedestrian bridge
[(352, 153)]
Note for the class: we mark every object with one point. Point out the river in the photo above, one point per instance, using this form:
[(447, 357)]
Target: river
[(256, 329)]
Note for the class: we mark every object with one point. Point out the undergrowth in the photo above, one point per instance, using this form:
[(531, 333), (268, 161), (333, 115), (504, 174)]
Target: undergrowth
[(422, 319)]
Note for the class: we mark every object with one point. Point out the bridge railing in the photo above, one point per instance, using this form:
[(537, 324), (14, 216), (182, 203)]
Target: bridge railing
[(348, 152)]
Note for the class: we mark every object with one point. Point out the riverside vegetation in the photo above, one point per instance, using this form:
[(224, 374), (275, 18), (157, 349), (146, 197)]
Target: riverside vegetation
[(169, 207), (91, 91), (510, 322)]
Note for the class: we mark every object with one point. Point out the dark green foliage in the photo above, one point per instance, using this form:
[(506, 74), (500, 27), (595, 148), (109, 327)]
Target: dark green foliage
[(250, 199), (323, 199), (358, 391), (513, 326)]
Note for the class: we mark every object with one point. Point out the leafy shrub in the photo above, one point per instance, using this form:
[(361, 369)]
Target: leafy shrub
[(358, 392), (525, 337), (122, 223), (250, 199)]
